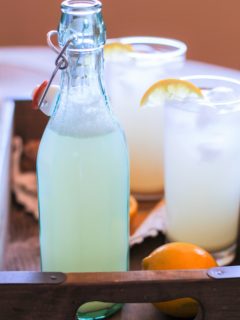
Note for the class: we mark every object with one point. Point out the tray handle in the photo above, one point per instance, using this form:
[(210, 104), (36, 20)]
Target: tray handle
[(23, 294)]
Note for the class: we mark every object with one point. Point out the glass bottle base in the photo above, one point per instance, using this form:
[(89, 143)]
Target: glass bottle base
[(97, 310)]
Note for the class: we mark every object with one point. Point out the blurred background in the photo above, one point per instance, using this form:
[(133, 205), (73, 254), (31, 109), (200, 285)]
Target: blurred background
[(210, 28)]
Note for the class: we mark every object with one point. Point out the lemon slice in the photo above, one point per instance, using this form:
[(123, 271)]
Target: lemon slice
[(37, 94), (116, 48), (133, 207), (168, 89), (50, 99)]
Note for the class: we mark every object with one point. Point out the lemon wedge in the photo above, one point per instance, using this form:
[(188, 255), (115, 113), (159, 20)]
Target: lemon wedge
[(168, 89), (133, 207)]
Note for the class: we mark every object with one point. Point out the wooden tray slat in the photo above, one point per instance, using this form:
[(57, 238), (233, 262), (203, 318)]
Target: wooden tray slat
[(219, 299), (6, 120)]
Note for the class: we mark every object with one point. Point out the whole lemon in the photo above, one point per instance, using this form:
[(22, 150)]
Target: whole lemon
[(178, 255)]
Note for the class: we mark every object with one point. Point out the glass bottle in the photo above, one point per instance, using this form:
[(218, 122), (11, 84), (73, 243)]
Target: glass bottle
[(82, 164)]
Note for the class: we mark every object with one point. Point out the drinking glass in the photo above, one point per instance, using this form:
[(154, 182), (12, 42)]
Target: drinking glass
[(201, 167), (128, 75)]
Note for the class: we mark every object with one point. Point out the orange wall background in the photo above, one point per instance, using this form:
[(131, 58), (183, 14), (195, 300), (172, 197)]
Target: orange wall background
[(211, 28)]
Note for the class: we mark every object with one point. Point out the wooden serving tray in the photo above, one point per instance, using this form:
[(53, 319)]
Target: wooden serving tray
[(6, 120), (57, 296)]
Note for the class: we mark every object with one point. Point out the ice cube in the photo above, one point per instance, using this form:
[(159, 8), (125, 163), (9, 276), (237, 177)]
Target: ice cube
[(206, 117), (211, 150), (221, 95)]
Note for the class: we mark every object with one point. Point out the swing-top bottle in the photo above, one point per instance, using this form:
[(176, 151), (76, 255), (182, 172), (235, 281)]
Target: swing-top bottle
[(82, 163)]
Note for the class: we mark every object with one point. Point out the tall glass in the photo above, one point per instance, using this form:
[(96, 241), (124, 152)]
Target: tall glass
[(202, 167), (128, 76)]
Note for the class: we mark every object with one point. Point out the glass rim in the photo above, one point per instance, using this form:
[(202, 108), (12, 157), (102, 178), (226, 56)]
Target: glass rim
[(226, 79), (179, 46), (78, 7)]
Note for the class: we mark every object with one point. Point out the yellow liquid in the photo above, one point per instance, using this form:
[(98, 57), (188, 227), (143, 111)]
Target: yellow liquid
[(83, 193)]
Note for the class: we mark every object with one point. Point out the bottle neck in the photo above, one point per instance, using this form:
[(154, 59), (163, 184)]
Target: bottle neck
[(82, 22), (84, 75), (82, 108)]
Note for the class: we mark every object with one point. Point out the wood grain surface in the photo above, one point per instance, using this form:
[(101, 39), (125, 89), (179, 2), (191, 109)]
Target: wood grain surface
[(6, 120), (219, 299)]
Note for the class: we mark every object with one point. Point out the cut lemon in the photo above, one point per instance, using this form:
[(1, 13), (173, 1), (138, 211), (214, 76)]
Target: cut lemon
[(117, 47), (168, 89), (133, 207), (37, 94)]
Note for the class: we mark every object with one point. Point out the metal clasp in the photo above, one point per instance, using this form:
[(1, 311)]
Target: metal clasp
[(61, 62), (23, 277), (230, 272)]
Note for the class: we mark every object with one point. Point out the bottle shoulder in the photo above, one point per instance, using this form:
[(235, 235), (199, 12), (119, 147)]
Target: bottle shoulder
[(74, 117)]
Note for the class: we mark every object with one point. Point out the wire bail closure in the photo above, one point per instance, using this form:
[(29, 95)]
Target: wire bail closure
[(61, 62)]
